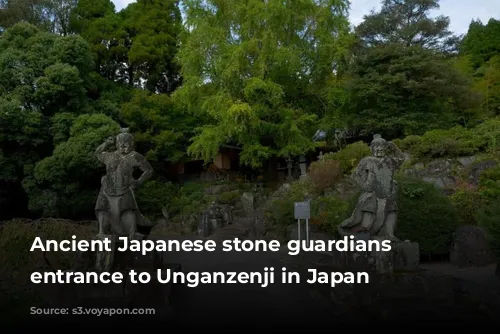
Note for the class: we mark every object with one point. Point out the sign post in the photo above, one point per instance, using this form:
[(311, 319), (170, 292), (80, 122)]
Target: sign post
[(302, 210)]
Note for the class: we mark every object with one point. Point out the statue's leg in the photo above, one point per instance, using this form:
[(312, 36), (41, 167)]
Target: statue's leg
[(367, 221), (129, 220), (390, 226), (103, 220)]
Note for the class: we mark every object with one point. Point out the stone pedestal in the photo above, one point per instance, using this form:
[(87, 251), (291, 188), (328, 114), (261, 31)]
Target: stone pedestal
[(470, 248), (403, 257)]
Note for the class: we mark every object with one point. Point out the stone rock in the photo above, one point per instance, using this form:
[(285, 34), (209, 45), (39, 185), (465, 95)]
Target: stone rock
[(204, 227), (406, 256), (470, 248), (467, 161), (438, 182), (478, 168), (371, 262), (247, 200)]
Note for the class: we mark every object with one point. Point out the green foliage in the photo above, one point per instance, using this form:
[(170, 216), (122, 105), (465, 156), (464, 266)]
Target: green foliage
[(454, 142), (160, 128), (350, 156), (66, 183), (481, 42), (426, 216), (489, 219), (400, 91), (397, 23), (489, 183), (262, 85), (153, 195), (280, 211), (330, 211), (190, 200), (324, 174), (261, 75), (136, 46), (229, 197), (402, 80), (467, 201)]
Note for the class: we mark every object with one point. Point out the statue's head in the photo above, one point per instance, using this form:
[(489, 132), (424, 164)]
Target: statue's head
[(125, 141), (378, 146)]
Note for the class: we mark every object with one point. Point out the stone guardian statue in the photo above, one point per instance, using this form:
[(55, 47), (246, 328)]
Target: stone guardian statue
[(116, 209), (376, 209)]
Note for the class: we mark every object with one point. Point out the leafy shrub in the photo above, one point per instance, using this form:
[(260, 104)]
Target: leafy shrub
[(426, 216), (489, 218), (329, 212), (488, 133), (190, 199), (453, 142), (280, 211), (324, 174), (467, 201), (350, 156), (229, 197), (439, 143), (489, 184), (153, 195)]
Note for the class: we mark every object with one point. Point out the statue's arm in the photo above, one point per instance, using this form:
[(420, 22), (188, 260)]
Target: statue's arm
[(104, 149), (361, 172), (398, 155), (145, 167)]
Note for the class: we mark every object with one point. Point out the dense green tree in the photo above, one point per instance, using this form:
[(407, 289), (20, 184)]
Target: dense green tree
[(29, 11), (482, 42), (153, 28), (480, 59), (49, 15), (408, 23), (259, 70), (162, 130), (136, 46), (46, 82), (403, 80), (66, 183)]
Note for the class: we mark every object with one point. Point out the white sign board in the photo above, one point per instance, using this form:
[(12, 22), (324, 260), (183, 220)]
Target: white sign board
[(302, 210)]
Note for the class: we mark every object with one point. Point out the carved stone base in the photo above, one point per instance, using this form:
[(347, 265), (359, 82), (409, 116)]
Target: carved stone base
[(403, 257)]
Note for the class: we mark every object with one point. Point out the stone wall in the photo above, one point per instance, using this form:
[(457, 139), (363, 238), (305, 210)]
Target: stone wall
[(445, 173)]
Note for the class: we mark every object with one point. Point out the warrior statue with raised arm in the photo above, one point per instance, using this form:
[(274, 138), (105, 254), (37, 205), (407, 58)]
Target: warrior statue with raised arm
[(116, 208), (376, 210)]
